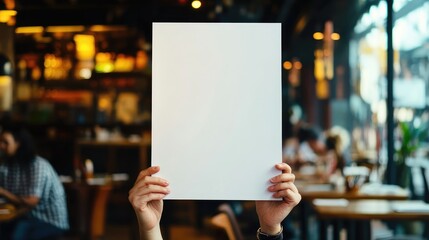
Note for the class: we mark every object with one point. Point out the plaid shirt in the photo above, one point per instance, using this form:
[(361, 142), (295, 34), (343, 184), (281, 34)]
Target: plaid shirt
[(39, 180)]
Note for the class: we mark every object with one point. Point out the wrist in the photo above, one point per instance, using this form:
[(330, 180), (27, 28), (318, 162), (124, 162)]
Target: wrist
[(152, 234), (261, 235), (271, 230)]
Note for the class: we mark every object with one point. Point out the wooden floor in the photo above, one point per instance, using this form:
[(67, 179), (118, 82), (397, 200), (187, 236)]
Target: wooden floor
[(188, 232), (114, 232)]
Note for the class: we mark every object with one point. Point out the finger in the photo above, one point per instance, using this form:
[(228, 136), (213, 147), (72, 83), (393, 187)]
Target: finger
[(151, 188), (283, 186), (285, 177), (152, 197), (140, 202), (292, 197), (288, 196), (145, 187), (284, 167), (149, 180), (140, 196), (147, 172)]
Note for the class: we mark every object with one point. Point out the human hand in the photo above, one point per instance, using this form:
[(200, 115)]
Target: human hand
[(272, 213), (146, 198)]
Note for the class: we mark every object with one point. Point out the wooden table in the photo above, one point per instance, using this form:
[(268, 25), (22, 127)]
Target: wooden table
[(311, 190), (7, 212), (355, 216)]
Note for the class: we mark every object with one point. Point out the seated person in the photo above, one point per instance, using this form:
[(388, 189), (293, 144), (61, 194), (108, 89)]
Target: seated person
[(336, 142), (31, 184), (148, 191), (310, 144), (304, 149)]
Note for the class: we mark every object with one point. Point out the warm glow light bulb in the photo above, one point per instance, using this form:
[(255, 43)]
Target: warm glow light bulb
[(196, 4), (297, 65), (5, 15), (287, 65), (318, 36), (335, 36), (85, 46)]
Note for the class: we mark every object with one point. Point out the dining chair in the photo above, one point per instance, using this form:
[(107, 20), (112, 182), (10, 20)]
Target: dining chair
[(87, 206), (423, 170), (227, 220), (418, 186), (423, 166)]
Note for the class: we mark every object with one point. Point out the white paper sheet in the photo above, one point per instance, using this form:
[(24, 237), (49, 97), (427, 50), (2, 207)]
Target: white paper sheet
[(216, 108)]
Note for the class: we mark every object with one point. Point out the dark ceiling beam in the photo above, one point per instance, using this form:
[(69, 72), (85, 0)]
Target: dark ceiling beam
[(30, 5), (284, 10)]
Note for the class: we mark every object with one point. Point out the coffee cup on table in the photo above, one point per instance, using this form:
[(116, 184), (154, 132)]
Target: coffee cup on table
[(355, 177)]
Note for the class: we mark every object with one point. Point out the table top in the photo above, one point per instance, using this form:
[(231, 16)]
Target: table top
[(107, 181), (310, 191), (372, 209), (111, 143), (7, 212)]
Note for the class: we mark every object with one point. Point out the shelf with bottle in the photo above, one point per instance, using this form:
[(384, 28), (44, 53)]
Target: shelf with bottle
[(121, 81), (83, 76), (106, 98)]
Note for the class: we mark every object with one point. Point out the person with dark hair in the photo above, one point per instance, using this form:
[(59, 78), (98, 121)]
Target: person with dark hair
[(338, 162), (310, 145), (336, 142), (30, 183)]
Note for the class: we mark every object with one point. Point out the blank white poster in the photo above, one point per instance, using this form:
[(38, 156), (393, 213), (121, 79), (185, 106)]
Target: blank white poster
[(216, 108)]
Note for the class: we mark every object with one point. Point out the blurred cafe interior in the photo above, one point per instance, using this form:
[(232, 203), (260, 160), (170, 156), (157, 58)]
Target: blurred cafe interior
[(355, 96)]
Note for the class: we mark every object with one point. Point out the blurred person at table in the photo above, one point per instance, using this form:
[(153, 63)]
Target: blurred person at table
[(148, 191), (311, 144), (335, 159), (30, 183), (305, 149)]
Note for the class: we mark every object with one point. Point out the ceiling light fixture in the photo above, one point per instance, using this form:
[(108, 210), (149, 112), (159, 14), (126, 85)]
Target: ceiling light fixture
[(287, 65), (196, 4), (65, 29), (318, 35), (29, 30), (335, 36), (7, 12)]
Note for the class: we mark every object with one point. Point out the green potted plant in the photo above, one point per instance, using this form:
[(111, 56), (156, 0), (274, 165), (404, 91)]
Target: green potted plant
[(410, 140)]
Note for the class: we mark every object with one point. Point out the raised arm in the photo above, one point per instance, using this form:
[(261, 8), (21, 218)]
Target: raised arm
[(272, 213), (146, 198)]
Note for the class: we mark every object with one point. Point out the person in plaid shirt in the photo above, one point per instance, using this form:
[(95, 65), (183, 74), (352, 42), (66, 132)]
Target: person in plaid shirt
[(29, 182)]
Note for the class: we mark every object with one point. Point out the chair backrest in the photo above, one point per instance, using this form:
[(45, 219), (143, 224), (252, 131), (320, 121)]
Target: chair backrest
[(227, 220), (98, 212), (418, 178), (87, 209), (425, 183)]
